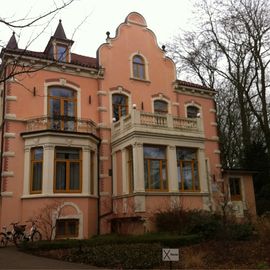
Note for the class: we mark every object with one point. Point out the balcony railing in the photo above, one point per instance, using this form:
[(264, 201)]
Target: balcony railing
[(61, 123), (156, 123)]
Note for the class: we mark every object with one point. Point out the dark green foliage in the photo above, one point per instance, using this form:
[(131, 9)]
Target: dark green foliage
[(237, 231), (138, 256), (165, 240), (182, 221), (204, 223)]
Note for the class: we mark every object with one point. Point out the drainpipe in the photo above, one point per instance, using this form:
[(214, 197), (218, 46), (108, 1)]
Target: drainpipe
[(98, 188), (3, 130)]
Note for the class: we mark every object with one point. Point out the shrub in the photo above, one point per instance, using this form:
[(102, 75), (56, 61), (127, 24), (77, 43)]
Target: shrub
[(165, 240), (182, 221), (238, 231), (119, 256), (263, 227), (172, 220)]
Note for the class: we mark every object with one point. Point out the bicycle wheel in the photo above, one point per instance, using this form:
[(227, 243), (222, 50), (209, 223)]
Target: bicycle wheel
[(3, 240), (18, 238), (36, 236)]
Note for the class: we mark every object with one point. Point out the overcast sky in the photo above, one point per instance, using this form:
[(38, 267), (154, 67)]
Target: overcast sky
[(88, 20)]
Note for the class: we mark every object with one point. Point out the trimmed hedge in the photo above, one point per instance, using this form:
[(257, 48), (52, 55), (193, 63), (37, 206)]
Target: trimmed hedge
[(138, 256), (165, 240)]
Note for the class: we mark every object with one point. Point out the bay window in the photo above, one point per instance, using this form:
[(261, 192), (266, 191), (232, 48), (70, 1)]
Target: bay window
[(36, 170), (187, 167), (155, 168), (68, 167)]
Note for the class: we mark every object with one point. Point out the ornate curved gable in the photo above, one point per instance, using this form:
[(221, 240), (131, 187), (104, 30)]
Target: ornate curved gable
[(136, 18)]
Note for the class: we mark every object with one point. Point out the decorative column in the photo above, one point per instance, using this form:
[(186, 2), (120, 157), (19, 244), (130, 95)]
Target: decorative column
[(172, 169), (26, 177), (202, 171), (86, 170), (125, 186), (138, 168), (114, 170), (48, 170)]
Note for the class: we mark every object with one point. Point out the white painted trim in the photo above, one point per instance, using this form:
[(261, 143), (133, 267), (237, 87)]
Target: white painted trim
[(9, 135), (7, 194), (9, 154), (11, 98), (10, 116), (8, 174)]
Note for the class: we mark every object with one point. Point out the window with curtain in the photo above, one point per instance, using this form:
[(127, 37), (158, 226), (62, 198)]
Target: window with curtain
[(192, 111), (155, 168), (36, 170), (68, 166), (138, 65), (119, 106), (62, 108), (187, 166)]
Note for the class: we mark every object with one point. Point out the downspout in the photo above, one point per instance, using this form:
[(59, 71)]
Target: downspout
[(98, 189), (3, 130)]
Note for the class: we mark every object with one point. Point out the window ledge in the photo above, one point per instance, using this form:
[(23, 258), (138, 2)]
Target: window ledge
[(140, 80), (57, 195), (162, 193)]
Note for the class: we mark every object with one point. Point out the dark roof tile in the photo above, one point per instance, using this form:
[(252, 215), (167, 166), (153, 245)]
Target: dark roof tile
[(194, 85), (76, 59)]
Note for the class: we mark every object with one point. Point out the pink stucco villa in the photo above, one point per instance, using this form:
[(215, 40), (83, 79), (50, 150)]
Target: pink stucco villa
[(110, 139)]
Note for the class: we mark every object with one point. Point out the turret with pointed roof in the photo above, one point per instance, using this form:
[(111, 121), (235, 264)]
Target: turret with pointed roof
[(59, 39), (59, 32), (12, 43)]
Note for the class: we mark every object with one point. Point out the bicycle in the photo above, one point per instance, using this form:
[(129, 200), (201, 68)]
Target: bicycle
[(20, 234), (6, 236)]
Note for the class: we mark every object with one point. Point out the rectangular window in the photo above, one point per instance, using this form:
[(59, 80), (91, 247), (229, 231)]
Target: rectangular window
[(130, 169), (61, 53), (187, 167), (235, 188), (36, 170), (67, 228), (68, 167), (155, 168)]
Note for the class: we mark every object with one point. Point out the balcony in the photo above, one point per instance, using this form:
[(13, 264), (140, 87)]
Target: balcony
[(157, 124), (61, 123)]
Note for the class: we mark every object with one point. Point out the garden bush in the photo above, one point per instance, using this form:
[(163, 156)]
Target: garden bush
[(237, 231), (138, 256), (165, 240), (182, 221), (208, 225)]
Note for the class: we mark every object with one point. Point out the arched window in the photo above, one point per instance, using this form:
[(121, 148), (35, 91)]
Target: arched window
[(193, 111), (138, 67), (119, 106), (62, 108), (160, 106)]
